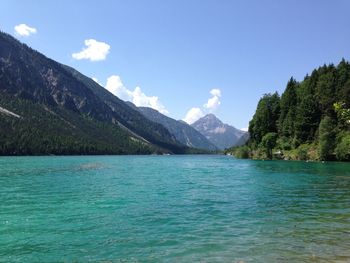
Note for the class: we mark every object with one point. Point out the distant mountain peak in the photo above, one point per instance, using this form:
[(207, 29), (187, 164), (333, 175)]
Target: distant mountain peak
[(211, 116), (208, 122), (220, 134), (184, 133)]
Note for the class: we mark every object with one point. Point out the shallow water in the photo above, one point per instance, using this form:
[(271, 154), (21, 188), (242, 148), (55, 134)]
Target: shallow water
[(173, 209)]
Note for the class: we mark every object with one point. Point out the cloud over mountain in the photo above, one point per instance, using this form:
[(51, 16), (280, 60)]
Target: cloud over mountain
[(137, 96), (193, 115), (212, 104), (94, 51), (25, 30)]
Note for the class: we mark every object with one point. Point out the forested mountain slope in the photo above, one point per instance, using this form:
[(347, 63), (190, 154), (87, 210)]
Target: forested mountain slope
[(67, 111)]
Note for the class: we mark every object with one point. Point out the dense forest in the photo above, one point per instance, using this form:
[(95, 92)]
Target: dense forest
[(309, 121), (39, 130)]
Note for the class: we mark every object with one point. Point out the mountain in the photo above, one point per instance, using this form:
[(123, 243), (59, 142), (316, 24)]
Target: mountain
[(221, 135), (183, 132), (242, 140), (57, 110)]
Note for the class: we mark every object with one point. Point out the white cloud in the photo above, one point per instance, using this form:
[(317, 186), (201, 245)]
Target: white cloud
[(94, 51), (140, 99), (213, 102), (193, 115), (215, 92), (244, 129), (115, 86), (24, 30)]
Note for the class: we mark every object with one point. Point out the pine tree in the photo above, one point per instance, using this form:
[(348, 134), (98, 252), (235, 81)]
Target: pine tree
[(307, 120), (326, 138), (265, 117), (288, 110)]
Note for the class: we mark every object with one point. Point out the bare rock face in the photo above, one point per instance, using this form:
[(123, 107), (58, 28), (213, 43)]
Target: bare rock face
[(220, 134)]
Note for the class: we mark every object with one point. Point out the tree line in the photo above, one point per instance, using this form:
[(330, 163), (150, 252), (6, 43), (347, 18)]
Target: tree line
[(309, 121)]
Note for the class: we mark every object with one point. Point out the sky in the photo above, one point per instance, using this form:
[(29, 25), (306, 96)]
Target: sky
[(187, 58)]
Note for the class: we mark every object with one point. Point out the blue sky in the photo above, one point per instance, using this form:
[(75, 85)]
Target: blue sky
[(180, 51)]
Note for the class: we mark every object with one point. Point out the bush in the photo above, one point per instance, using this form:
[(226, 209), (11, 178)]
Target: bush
[(242, 152), (302, 152), (326, 138), (342, 150), (284, 144), (269, 142)]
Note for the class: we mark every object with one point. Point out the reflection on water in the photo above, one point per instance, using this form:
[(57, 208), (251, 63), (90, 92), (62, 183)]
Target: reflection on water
[(90, 166)]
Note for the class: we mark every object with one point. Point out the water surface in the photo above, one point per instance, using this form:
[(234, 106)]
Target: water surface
[(172, 209)]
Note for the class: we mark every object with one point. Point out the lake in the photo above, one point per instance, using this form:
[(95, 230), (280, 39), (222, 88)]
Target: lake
[(198, 208)]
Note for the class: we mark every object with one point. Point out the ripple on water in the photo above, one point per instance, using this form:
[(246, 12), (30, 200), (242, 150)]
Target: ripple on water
[(173, 209)]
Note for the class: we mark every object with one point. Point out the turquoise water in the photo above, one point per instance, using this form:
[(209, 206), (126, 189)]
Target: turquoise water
[(172, 209)]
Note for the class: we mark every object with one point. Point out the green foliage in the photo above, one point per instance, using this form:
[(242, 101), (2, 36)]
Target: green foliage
[(326, 138), (343, 112), (242, 152), (302, 152), (42, 130), (268, 142), (288, 105), (342, 150), (265, 117), (284, 143), (307, 119), (325, 88)]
